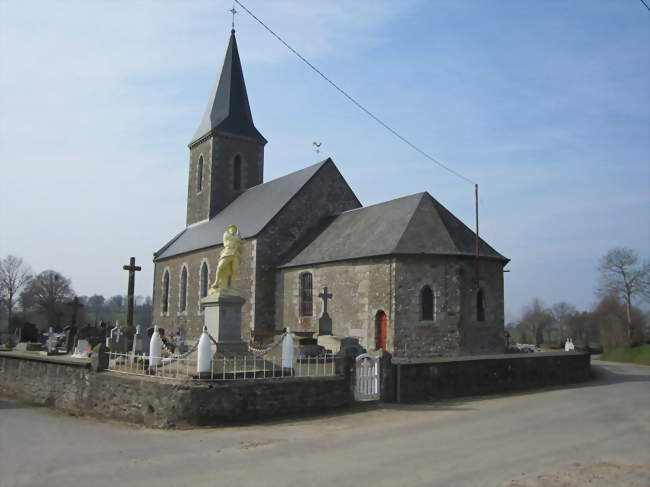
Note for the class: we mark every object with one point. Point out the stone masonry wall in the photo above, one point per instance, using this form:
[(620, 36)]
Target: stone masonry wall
[(222, 183), (454, 329), (164, 403), (192, 318), (198, 203), (325, 194), (218, 190), (466, 376), (359, 290)]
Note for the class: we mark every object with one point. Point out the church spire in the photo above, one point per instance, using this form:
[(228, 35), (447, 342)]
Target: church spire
[(228, 111)]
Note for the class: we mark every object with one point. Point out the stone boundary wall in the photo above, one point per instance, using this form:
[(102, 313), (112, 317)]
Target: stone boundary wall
[(426, 379), (162, 403)]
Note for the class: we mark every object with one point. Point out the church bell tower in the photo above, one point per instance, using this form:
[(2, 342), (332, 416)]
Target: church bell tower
[(227, 151)]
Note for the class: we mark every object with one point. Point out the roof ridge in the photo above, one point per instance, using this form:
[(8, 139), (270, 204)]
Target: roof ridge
[(408, 224)]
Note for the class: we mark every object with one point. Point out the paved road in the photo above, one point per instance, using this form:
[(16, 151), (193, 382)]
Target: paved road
[(488, 441)]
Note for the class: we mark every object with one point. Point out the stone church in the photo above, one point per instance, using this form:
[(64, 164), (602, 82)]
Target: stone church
[(400, 275)]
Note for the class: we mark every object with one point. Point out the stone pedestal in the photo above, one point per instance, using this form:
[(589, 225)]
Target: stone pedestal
[(222, 316)]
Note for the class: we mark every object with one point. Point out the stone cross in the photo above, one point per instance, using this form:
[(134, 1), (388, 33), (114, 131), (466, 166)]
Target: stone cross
[(325, 322), (325, 296), (51, 341), (132, 268)]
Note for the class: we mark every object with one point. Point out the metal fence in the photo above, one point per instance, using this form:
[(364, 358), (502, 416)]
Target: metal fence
[(223, 368)]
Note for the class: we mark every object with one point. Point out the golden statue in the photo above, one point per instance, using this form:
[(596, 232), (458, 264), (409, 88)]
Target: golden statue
[(228, 263)]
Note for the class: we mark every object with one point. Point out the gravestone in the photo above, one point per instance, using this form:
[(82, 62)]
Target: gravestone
[(181, 335), (118, 341), (140, 344), (70, 337), (51, 341), (83, 349), (29, 333), (86, 332)]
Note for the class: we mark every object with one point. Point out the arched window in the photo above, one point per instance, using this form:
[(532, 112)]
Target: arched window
[(480, 305), (306, 295), (199, 175), (204, 280), (183, 290), (236, 173), (426, 304), (165, 292)]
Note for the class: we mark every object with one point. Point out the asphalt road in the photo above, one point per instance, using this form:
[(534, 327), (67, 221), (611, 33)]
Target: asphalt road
[(519, 439)]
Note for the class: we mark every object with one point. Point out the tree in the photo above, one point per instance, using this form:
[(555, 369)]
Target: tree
[(47, 293), (14, 274), (623, 277), (535, 320), (96, 304), (562, 312)]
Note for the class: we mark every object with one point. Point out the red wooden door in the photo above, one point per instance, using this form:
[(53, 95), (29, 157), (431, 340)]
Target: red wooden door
[(381, 330)]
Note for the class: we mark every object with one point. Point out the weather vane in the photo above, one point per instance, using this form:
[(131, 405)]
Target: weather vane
[(233, 12), (317, 147)]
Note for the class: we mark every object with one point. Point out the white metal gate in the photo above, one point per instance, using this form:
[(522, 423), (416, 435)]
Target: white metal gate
[(366, 378)]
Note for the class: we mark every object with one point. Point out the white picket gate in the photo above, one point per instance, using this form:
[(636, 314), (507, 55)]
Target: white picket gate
[(366, 374)]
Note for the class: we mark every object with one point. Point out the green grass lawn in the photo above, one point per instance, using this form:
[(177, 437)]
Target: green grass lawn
[(636, 355)]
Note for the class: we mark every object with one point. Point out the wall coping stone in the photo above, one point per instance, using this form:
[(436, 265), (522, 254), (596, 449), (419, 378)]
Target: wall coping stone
[(53, 359), (471, 358)]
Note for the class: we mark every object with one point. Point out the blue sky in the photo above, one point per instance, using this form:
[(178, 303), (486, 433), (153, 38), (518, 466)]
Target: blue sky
[(545, 104)]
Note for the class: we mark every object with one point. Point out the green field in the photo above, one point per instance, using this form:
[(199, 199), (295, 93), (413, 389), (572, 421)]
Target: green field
[(636, 355)]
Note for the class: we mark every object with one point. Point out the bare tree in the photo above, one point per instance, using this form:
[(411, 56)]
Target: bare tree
[(622, 276), (536, 319), (562, 312), (14, 274), (47, 292)]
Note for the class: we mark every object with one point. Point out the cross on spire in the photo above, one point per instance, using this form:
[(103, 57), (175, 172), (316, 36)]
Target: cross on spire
[(233, 12)]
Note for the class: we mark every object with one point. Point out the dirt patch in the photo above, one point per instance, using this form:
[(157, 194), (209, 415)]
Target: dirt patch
[(606, 474)]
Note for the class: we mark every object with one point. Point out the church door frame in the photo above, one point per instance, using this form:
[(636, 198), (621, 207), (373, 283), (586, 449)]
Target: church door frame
[(381, 330)]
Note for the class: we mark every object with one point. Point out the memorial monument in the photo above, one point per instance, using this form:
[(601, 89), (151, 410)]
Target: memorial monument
[(222, 306)]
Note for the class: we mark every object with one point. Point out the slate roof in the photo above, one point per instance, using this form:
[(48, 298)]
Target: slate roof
[(251, 211), (416, 224), (228, 110)]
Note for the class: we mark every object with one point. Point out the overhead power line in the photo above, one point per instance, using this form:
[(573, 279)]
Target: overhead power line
[(353, 100), (645, 4)]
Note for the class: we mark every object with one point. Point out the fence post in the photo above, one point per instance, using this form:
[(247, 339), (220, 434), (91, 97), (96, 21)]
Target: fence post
[(155, 348), (287, 350), (204, 363)]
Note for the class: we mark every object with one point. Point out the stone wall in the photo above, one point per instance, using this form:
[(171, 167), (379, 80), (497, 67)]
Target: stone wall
[(454, 329), (218, 191), (359, 290), (332, 194), (164, 403), (198, 203), (225, 148), (423, 380), (192, 318)]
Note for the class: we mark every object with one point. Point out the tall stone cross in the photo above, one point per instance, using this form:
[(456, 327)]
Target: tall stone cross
[(325, 296), (132, 268), (325, 322)]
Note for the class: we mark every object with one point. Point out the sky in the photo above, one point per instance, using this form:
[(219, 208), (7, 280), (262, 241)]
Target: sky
[(545, 104)]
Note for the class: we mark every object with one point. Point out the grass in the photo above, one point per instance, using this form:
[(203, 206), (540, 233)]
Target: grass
[(635, 355)]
